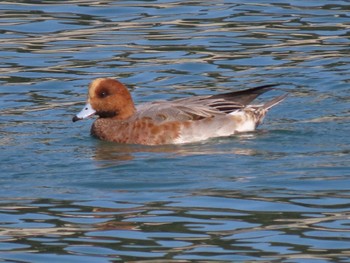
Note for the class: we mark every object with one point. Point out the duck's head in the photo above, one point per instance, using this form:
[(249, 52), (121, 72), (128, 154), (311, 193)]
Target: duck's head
[(107, 98)]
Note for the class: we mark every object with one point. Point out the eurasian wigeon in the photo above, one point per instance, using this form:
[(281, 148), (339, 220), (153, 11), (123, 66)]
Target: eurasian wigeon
[(178, 121)]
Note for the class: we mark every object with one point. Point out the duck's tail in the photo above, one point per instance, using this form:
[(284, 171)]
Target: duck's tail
[(268, 105), (261, 111)]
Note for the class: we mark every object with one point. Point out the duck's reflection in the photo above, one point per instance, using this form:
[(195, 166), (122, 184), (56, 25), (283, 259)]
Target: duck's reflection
[(110, 154)]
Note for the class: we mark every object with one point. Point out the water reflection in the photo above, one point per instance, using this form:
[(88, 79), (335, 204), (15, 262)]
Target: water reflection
[(225, 223), (280, 194), (109, 154)]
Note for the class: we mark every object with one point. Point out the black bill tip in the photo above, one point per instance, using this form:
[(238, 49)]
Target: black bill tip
[(75, 118)]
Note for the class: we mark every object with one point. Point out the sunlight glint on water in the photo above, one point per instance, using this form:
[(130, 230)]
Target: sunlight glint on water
[(278, 194)]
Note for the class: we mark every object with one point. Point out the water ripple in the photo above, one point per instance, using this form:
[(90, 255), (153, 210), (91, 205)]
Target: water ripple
[(278, 194)]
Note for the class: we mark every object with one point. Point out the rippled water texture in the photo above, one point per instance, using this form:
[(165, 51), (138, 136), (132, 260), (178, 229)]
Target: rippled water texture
[(278, 194)]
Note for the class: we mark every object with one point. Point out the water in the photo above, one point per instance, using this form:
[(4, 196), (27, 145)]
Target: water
[(278, 194)]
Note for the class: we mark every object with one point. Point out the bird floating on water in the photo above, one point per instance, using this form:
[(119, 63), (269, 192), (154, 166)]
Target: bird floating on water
[(178, 121)]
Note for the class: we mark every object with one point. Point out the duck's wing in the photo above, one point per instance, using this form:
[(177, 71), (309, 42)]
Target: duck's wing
[(244, 97), (199, 107), (178, 110)]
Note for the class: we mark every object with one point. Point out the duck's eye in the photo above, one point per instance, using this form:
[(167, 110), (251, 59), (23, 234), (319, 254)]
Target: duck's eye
[(103, 94)]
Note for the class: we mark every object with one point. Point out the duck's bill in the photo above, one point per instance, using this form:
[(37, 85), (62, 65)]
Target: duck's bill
[(86, 112)]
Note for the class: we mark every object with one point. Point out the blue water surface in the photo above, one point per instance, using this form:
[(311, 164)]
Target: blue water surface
[(280, 194)]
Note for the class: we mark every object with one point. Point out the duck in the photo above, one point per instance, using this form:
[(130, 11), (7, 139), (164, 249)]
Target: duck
[(185, 120)]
